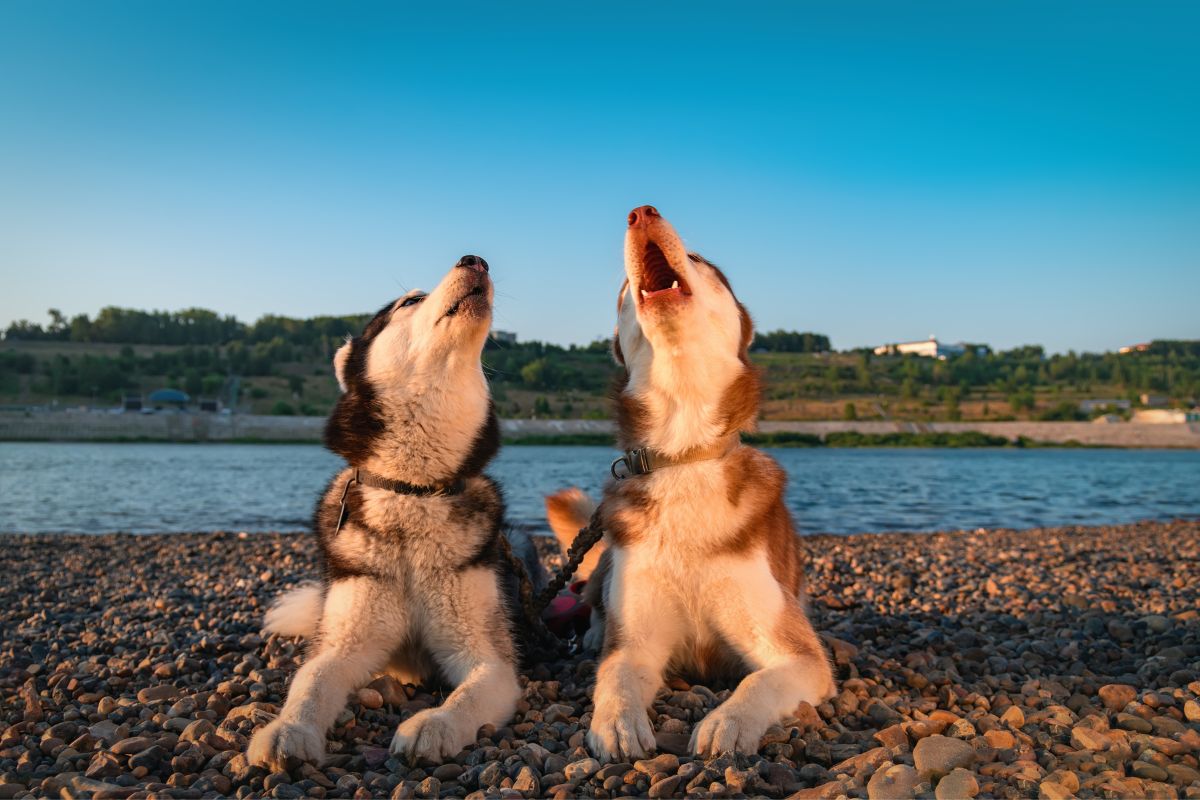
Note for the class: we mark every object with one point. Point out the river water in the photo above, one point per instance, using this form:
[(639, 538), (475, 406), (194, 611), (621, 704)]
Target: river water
[(146, 488)]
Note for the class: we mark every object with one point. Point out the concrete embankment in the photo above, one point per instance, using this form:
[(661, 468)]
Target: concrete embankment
[(184, 427)]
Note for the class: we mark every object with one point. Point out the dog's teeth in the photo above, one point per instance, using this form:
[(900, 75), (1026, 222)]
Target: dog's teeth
[(674, 284), (645, 293)]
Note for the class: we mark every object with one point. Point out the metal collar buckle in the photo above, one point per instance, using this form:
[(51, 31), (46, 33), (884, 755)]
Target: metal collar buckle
[(637, 462)]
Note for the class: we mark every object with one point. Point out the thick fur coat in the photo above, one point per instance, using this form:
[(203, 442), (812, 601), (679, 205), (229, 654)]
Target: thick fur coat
[(702, 572), (416, 585)]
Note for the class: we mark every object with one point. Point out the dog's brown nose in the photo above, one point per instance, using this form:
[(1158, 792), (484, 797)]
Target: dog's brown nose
[(642, 215), (473, 262)]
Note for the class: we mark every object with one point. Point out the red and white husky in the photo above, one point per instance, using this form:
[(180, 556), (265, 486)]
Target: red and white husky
[(702, 574)]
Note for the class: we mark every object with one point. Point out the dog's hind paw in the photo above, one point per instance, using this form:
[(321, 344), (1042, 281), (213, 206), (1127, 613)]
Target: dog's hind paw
[(274, 744), (727, 731), (593, 640), (625, 736), (433, 734)]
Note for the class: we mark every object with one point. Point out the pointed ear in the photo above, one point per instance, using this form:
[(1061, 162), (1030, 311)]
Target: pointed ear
[(339, 363), (747, 333), (616, 345), (618, 356)]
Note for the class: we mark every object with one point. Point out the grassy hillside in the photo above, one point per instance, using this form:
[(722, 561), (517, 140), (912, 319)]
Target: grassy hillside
[(534, 379), (280, 365)]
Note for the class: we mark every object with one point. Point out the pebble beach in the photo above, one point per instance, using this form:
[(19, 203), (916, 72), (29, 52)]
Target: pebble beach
[(1048, 663)]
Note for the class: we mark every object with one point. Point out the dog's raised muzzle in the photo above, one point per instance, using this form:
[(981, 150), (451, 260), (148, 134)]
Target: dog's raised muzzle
[(643, 215)]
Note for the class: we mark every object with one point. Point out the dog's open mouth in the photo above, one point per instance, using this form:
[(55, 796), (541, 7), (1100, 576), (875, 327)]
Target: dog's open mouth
[(474, 299), (658, 280)]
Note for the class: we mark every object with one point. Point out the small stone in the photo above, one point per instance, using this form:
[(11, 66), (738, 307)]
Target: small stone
[(527, 782), (937, 755), (894, 783), (1085, 738), (843, 651), (1116, 696), (1191, 711), (958, 784), (893, 736), (104, 765), (390, 690), (1050, 790), (581, 770), (1150, 772), (1013, 717), (1182, 774), (135, 744), (370, 698), (448, 772), (1133, 723), (557, 712), (148, 758), (491, 775), (158, 694), (105, 731), (665, 788), (665, 763), (881, 713), (197, 730), (962, 729), (862, 764), (1167, 726), (83, 786), (1001, 740)]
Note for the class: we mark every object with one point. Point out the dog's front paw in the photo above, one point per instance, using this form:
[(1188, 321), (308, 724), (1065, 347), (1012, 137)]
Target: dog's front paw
[(274, 744), (726, 730), (433, 734), (622, 736)]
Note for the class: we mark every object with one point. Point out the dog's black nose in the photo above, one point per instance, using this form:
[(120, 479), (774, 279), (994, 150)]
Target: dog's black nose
[(473, 262), (642, 215)]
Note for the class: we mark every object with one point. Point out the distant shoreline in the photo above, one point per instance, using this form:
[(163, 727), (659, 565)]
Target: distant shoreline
[(260, 429)]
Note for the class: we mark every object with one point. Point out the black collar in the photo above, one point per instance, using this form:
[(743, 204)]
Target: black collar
[(366, 478)]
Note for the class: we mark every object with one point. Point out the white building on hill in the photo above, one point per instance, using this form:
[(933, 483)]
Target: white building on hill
[(928, 348)]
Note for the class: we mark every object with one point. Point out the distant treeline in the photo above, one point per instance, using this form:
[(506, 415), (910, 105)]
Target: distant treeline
[(289, 361), (1166, 367), (200, 326), (791, 342), (194, 326)]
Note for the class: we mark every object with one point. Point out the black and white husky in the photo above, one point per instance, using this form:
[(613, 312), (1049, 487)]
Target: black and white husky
[(417, 583)]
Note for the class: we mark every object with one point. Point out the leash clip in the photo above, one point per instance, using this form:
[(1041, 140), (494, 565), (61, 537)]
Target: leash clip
[(637, 462), (345, 490)]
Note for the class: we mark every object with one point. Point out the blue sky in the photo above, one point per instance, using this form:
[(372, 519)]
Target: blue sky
[(1004, 172)]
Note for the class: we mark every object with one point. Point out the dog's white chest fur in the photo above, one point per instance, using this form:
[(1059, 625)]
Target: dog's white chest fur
[(678, 563)]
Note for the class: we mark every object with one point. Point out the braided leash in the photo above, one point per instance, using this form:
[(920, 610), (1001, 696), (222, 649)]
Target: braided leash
[(579, 548), (532, 605)]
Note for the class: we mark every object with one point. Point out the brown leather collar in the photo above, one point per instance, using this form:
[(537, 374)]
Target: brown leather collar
[(643, 460)]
